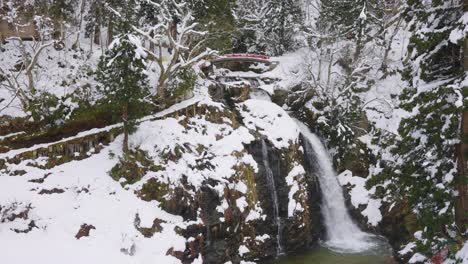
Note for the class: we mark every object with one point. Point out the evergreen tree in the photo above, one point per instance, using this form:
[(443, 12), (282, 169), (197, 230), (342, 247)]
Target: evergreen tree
[(123, 82), (423, 166), (94, 20), (216, 18), (60, 11), (99, 16), (359, 21), (268, 27), (283, 22)]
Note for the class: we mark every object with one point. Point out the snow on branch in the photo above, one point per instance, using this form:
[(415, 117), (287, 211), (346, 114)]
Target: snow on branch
[(174, 39)]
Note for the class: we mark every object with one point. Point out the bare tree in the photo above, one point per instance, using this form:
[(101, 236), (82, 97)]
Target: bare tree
[(20, 81), (175, 44)]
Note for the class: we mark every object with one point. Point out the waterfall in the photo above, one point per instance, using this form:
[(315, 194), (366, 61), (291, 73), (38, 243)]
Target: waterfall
[(274, 197), (342, 234)]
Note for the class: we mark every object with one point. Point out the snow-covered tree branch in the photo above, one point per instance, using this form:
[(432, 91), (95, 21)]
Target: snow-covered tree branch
[(173, 39)]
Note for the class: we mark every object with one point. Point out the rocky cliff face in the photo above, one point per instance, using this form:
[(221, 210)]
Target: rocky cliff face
[(206, 181), (213, 172)]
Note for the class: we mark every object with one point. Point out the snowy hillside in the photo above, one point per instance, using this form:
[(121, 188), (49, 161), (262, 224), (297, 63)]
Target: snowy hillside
[(233, 131)]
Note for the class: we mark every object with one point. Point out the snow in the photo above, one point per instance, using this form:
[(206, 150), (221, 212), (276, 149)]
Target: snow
[(459, 33), (174, 108), (241, 203), (462, 255), (11, 135), (262, 238), (269, 120), (243, 250), (165, 136), (361, 196), (111, 209), (108, 207), (294, 175), (407, 249), (417, 258), (59, 72), (255, 214)]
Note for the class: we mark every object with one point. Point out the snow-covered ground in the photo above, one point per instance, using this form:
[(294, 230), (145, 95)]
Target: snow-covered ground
[(90, 196), (58, 71)]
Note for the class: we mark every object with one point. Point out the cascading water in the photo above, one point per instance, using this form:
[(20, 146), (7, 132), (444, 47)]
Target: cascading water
[(274, 197), (342, 233)]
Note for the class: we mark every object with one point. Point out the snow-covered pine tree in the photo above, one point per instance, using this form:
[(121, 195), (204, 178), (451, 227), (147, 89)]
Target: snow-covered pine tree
[(122, 79), (249, 19), (61, 11), (268, 27), (99, 17), (423, 169), (94, 20), (216, 18), (359, 21), (284, 22)]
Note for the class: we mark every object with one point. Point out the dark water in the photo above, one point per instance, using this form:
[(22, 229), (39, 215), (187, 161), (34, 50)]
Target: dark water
[(326, 256), (380, 254)]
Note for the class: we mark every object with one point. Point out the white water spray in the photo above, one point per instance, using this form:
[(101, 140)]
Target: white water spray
[(343, 235), (274, 197)]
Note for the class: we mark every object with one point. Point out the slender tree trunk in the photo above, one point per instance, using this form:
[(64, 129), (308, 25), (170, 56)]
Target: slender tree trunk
[(161, 86), (125, 128), (388, 48), (329, 69), (32, 88), (151, 44), (76, 45), (97, 35), (320, 57), (110, 29), (357, 52), (26, 62), (91, 46), (461, 205)]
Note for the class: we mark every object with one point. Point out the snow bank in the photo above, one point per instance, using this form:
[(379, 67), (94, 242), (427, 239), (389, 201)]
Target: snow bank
[(361, 196), (89, 196), (462, 255), (218, 141), (269, 120), (292, 182)]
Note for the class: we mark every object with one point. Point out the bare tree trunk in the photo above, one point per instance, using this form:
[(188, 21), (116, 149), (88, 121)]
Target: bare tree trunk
[(329, 70), (28, 69), (161, 90), (125, 129), (320, 49), (77, 41), (110, 29), (359, 46), (388, 48), (97, 35), (461, 205), (91, 45), (151, 44)]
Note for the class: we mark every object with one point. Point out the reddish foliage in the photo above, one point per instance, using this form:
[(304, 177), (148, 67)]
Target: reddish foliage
[(84, 231), (440, 256)]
